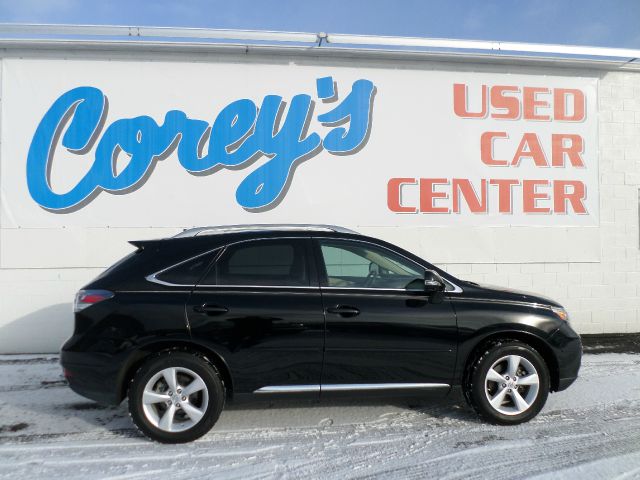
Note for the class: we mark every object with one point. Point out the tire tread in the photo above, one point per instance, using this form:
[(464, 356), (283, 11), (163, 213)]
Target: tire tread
[(476, 364), (153, 357)]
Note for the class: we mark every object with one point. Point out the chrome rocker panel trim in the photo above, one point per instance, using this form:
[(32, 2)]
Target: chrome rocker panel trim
[(348, 387)]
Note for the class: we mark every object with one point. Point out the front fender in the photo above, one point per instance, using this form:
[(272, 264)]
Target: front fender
[(480, 320)]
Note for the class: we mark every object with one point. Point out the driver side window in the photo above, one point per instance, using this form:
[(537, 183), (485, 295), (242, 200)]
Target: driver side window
[(360, 265)]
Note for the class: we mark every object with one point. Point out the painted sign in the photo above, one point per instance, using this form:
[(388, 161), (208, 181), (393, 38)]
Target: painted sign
[(540, 193), (108, 143), (240, 132)]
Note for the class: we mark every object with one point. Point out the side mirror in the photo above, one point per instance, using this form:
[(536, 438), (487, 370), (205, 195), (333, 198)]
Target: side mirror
[(433, 282)]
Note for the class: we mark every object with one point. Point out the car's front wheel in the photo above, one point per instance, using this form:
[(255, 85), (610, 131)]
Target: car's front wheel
[(176, 397), (508, 383)]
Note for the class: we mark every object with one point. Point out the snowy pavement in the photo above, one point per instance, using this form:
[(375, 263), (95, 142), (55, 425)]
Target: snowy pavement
[(590, 431)]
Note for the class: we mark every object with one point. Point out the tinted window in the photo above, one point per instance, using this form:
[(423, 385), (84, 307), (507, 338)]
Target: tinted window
[(360, 265), (188, 272), (261, 263)]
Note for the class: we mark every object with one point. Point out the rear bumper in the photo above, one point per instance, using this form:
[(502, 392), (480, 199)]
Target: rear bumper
[(91, 375), (568, 349)]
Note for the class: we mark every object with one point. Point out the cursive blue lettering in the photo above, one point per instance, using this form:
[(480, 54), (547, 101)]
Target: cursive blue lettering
[(239, 134)]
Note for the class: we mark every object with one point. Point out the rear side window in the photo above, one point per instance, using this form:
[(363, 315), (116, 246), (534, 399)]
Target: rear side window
[(262, 263), (188, 272)]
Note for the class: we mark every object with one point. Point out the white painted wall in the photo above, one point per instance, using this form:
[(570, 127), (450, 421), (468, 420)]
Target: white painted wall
[(602, 296), (593, 270)]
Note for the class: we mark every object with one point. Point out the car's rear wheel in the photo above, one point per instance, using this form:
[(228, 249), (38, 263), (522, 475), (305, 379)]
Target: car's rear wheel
[(176, 397), (508, 383)]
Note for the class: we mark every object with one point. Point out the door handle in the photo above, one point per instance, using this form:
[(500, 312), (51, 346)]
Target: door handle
[(344, 310), (209, 309)]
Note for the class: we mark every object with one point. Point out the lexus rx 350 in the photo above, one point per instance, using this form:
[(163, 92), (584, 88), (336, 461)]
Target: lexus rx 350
[(184, 324)]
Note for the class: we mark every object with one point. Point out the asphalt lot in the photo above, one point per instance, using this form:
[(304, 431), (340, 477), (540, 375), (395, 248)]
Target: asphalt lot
[(591, 430)]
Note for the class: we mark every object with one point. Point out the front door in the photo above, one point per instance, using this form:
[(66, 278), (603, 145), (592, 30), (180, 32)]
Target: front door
[(260, 306), (381, 335)]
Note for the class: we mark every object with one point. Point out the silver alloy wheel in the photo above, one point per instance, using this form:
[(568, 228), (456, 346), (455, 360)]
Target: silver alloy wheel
[(512, 385), (175, 399)]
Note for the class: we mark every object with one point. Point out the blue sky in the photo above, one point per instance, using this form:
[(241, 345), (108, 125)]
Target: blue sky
[(613, 23)]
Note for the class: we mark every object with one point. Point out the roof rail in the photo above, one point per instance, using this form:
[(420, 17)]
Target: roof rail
[(220, 229)]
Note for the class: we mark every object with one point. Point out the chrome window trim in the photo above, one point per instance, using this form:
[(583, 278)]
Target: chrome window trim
[(223, 248), (348, 387), (456, 288), (309, 287), (369, 289), (153, 277)]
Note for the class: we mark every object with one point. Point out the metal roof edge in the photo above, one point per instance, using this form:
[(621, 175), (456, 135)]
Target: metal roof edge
[(76, 46), (16, 35)]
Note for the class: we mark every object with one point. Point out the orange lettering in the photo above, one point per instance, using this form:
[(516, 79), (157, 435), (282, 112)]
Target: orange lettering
[(427, 195), (504, 193), (464, 186), (575, 197), (394, 195), (486, 148), (460, 102), (531, 104), (530, 148), (510, 104), (573, 151), (531, 196), (560, 105)]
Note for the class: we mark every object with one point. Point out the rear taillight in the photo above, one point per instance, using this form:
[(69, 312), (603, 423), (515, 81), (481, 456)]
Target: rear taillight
[(86, 298)]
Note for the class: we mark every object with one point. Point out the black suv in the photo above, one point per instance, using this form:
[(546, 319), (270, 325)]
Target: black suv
[(184, 324)]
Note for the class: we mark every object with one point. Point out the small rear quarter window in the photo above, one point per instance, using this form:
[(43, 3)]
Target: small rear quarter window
[(187, 272)]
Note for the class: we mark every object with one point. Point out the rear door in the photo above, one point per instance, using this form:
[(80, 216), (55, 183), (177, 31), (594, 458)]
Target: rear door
[(381, 335), (260, 305)]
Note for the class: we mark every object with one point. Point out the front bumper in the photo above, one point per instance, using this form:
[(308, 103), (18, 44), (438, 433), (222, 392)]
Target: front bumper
[(568, 349)]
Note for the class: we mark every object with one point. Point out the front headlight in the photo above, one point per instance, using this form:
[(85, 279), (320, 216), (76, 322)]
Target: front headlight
[(561, 313)]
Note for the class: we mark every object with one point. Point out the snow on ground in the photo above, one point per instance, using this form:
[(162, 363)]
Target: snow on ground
[(590, 431)]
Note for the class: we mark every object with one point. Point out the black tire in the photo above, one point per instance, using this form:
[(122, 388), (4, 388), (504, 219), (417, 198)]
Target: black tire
[(212, 397), (478, 387)]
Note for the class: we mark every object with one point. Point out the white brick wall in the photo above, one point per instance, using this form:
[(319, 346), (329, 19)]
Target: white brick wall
[(597, 278), (601, 296)]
